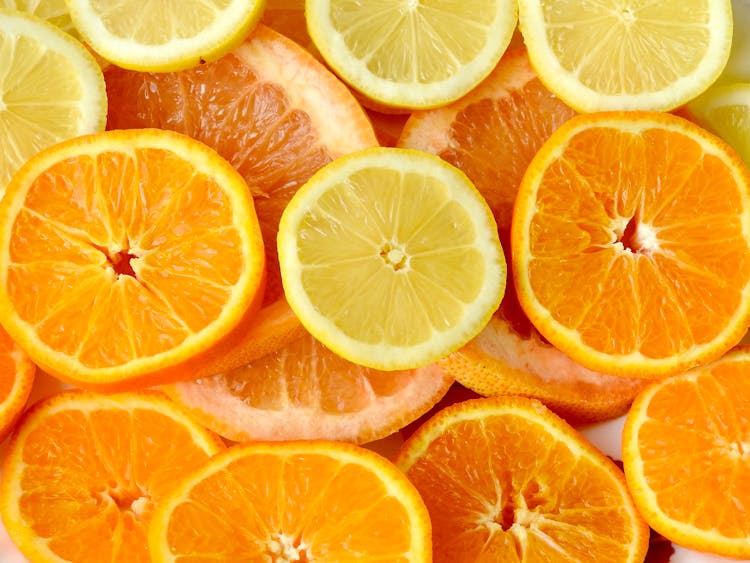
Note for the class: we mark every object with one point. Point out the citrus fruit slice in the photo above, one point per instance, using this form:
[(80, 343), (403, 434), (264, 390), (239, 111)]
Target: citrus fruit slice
[(83, 473), (304, 391), (164, 36), (288, 18), (725, 110), (413, 54), (16, 379), (53, 11), (685, 452), (156, 262), (738, 65), (51, 89), (292, 501), (276, 114), (614, 55), (492, 134), (504, 479), (611, 257), (390, 257)]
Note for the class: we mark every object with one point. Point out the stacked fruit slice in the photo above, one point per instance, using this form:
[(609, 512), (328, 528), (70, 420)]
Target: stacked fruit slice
[(238, 238)]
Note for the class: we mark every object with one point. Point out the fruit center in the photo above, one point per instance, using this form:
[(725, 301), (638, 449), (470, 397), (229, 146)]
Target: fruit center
[(283, 549), (636, 237), (394, 255), (120, 261), (627, 15), (133, 500)]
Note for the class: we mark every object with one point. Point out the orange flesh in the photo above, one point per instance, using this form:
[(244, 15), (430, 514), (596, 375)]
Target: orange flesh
[(143, 261), (303, 390), (83, 472), (8, 365), (503, 488), (249, 122), (612, 188), (329, 510), (701, 448)]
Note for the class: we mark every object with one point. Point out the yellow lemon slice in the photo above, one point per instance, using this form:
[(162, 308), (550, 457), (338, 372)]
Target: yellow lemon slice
[(53, 11), (166, 35), (391, 258), (615, 54), (414, 54), (51, 89), (725, 110)]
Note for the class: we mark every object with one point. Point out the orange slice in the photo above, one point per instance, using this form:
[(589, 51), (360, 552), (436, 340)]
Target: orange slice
[(504, 479), (156, 263), (270, 109), (492, 134), (83, 473), (625, 227), (686, 452), (305, 391), (16, 379), (293, 501)]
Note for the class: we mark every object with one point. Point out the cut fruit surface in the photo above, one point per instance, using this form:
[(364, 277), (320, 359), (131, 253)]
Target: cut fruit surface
[(504, 479), (304, 391), (155, 265), (390, 257), (725, 110), (611, 257), (293, 501), (686, 445), (84, 472), (166, 35), (53, 11), (632, 55), (411, 54), (492, 134), (16, 379), (51, 89), (271, 110)]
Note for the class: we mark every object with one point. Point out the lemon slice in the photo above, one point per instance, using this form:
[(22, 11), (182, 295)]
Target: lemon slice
[(53, 11), (165, 35), (627, 54), (415, 53), (725, 110), (391, 258), (51, 89)]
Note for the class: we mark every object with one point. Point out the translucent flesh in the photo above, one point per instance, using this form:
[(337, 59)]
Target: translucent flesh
[(628, 48), (334, 511), (695, 457), (54, 11), (505, 488), (9, 365), (40, 101), (621, 294), (157, 22), (251, 123), (423, 42), (85, 215), (82, 471), (732, 123), (345, 241)]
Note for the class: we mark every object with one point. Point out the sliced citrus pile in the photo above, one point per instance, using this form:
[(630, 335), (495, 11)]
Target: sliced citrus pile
[(51, 89), (83, 473), (610, 54), (156, 262), (293, 501), (504, 479), (686, 452), (725, 110), (411, 54), (16, 379), (390, 257), (165, 35), (304, 391), (54, 11), (625, 227), (276, 114), (492, 134)]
